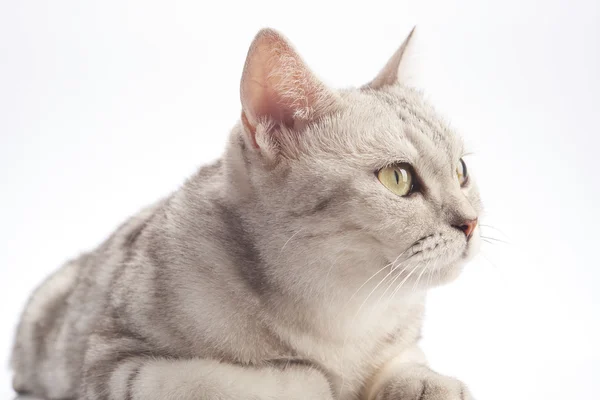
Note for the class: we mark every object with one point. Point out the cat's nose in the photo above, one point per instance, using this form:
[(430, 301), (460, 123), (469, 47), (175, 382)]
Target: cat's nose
[(467, 227)]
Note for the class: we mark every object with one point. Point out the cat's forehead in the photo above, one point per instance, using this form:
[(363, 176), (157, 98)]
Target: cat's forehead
[(398, 124)]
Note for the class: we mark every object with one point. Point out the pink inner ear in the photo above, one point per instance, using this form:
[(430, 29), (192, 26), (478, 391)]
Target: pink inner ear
[(277, 85), (270, 104)]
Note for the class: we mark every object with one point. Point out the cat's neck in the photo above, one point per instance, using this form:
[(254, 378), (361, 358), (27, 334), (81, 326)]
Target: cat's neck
[(351, 287)]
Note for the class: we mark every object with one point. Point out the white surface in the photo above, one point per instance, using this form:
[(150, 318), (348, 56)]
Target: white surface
[(105, 106)]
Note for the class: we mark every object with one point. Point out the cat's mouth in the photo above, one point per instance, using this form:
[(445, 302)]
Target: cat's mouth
[(439, 249), (433, 259)]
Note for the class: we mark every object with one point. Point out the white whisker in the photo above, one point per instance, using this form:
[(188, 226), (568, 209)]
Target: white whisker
[(485, 226), (334, 261), (420, 275), (373, 276), (291, 237), (430, 278), (392, 283), (392, 269), (402, 283), (488, 260)]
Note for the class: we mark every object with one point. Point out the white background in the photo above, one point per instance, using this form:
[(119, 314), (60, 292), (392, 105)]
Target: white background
[(106, 106)]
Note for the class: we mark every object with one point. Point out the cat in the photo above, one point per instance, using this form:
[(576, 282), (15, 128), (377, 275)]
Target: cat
[(294, 267)]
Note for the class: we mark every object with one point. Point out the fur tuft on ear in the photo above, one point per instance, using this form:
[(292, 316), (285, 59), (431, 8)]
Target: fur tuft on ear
[(399, 68), (277, 87)]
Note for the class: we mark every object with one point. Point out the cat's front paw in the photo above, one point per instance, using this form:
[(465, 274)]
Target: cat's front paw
[(421, 383)]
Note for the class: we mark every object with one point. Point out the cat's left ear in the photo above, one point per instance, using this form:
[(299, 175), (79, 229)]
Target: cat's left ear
[(400, 68)]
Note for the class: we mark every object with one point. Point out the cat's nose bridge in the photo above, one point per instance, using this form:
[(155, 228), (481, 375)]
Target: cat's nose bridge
[(455, 206)]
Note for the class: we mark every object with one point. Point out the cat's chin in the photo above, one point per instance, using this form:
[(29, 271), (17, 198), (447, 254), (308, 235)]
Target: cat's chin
[(445, 273), (448, 273)]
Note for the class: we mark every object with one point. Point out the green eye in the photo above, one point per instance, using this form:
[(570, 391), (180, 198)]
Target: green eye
[(397, 178), (461, 172)]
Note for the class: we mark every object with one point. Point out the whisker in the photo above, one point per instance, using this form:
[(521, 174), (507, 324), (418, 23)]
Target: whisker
[(494, 239), (402, 283), (356, 315), (372, 291), (373, 276), (393, 280), (334, 261), (420, 275), (392, 269), (430, 278), (396, 278), (494, 228), (488, 260), (291, 237)]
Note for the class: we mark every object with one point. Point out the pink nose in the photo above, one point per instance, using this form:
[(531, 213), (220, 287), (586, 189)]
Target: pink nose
[(468, 227)]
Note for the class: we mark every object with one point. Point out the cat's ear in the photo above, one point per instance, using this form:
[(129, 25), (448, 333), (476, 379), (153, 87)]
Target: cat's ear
[(277, 87), (399, 68)]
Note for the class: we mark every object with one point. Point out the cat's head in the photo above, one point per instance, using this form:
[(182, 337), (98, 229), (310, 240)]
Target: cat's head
[(342, 183)]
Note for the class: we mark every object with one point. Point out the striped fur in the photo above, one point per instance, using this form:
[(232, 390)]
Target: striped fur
[(284, 270)]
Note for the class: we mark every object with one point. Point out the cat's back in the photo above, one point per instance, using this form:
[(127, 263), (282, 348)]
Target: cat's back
[(55, 325), (183, 262)]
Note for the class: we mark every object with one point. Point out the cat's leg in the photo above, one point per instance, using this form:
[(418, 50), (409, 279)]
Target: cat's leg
[(407, 377), (122, 376)]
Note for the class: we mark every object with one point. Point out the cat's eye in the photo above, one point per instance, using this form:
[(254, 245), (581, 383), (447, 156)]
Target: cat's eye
[(398, 178), (461, 172)]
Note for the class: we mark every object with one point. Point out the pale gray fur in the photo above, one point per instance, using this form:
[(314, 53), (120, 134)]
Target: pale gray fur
[(258, 278)]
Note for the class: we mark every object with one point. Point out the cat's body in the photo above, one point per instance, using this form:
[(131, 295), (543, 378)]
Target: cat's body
[(97, 290), (261, 278)]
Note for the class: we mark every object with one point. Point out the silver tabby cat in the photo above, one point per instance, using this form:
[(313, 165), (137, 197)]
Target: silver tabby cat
[(295, 267)]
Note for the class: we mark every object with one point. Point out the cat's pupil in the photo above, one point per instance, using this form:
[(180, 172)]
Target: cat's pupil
[(397, 176)]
